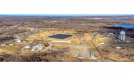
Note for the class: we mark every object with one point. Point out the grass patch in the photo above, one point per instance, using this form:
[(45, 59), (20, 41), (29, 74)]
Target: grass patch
[(60, 47)]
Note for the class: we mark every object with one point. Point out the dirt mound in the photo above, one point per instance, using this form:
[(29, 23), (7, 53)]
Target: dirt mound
[(84, 53)]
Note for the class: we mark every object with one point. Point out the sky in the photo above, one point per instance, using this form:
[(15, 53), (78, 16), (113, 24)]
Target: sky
[(66, 7)]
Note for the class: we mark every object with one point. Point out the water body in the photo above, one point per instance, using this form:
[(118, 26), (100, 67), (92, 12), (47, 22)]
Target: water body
[(123, 19), (60, 36), (124, 25)]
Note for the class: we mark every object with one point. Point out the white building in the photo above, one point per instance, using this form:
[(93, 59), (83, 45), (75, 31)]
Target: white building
[(18, 40), (27, 46), (122, 36), (110, 34), (38, 47), (118, 47)]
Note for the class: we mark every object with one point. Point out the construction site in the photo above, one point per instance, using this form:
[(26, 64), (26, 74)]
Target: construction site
[(52, 44)]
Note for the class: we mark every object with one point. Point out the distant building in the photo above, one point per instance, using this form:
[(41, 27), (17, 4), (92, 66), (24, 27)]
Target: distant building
[(118, 47), (18, 40), (11, 44), (27, 46), (3, 44), (38, 47), (110, 34)]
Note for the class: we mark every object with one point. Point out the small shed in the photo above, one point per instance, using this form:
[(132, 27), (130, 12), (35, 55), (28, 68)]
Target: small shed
[(18, 40), (28, 46), (118, 47), (11, 44), (3, 44), (112, 34)]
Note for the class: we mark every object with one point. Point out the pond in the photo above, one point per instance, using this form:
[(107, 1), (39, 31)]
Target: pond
[(60, 36), (124, 25)]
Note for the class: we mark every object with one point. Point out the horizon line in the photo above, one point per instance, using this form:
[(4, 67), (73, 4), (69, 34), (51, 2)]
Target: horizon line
[(67, 15)]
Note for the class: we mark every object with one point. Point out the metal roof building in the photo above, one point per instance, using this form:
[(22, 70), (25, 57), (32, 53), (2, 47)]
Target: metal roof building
[(38, 47)]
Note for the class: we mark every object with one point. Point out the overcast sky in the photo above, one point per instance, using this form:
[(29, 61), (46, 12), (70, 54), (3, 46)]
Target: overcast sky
[(66, 7)]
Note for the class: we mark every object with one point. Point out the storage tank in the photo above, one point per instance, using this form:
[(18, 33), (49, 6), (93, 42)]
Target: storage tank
[(122, 36)]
